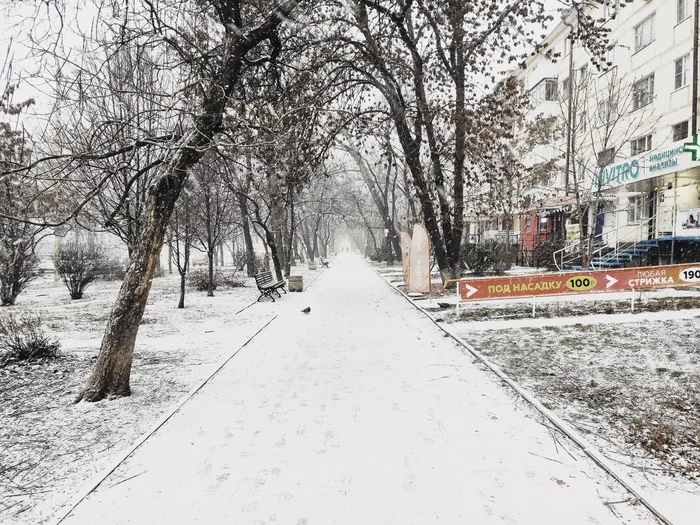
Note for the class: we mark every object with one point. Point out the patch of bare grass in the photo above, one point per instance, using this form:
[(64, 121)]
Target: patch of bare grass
[(632, 385)]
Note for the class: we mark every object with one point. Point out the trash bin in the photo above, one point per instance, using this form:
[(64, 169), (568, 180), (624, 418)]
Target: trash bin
[(295, 283)]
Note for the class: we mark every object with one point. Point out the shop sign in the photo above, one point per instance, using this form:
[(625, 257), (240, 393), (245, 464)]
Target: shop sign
[(678, 157), (693, 147), (571, 283)]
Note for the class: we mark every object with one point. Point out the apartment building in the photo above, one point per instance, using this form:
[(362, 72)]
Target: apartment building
[(621, 148)]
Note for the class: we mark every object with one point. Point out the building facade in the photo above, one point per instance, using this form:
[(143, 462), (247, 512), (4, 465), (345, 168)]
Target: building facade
[(625, 174)]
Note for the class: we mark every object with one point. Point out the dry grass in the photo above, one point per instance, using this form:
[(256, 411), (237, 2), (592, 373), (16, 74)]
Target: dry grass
[(631, 385)]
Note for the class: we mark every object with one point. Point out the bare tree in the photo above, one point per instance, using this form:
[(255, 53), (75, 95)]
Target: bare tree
[(242, 31), (213, 211), (382, 188), (18, 238), (391, 47), (181, 239), (605, 117)]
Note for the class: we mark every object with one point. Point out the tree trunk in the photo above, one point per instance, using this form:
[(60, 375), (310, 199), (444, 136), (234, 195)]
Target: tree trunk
[(374, 240), (181, 304), (249, 253), (423, 193), (393, 241), (210, 286), (298, 256), (112, 372), (413, 216), (290, 239), (274, 236), (454, 251), (270, 238), (308, 243), (170, 253)]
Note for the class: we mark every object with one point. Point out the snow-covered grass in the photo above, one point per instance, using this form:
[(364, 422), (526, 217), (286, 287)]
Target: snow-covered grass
[(629, 382), (49, 446)]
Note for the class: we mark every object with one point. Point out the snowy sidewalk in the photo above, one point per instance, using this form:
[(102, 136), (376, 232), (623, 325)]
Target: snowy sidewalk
[(360, 413)]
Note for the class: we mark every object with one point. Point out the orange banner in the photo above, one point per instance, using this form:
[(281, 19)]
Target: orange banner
[(419, 265), (405, 255), (563, 283)]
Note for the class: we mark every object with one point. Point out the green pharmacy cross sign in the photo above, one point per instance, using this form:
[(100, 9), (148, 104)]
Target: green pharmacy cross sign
[(693, 148)]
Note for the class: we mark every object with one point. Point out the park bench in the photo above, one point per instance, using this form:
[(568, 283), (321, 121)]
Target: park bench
[(324, 264), (267, 285)]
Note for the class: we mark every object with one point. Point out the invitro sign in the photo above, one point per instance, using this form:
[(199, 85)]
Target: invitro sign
[(653, 164)]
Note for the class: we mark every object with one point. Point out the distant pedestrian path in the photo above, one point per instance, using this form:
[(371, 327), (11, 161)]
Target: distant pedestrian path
[(359, 413)]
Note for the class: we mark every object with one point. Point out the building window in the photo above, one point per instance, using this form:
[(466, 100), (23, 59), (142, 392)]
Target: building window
[(565, 89), (644, 32), (682, 66), (643, 92), (682, 11), (528, 222), (680, 131), (606, 157), (641, 145), (542, 225), (635, 208), (607, 111), (545, 90)]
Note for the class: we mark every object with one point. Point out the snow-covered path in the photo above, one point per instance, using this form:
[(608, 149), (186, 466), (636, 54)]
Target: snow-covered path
[(359, 413)]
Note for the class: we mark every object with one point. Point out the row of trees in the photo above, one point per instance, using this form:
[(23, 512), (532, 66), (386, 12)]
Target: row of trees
[(245, 102)]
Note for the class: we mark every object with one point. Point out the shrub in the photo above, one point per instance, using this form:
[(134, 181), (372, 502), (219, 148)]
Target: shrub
[(382, 254), (199, 280), (544, 254), (79, 264), (18, 264), (489, 257), (230, 280), (113, 270), (23, 338)]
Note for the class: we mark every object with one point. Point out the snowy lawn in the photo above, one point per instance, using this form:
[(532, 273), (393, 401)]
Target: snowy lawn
[(49, 447), (629, 382)]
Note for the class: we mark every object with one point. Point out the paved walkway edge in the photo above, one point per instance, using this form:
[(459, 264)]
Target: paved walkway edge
[(560, 424), (97, 480)]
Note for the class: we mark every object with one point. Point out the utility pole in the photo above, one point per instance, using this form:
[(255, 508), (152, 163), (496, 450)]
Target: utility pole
[(694, 120)]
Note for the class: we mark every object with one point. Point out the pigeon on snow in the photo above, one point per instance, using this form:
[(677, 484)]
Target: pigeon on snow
[(306, 310)]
